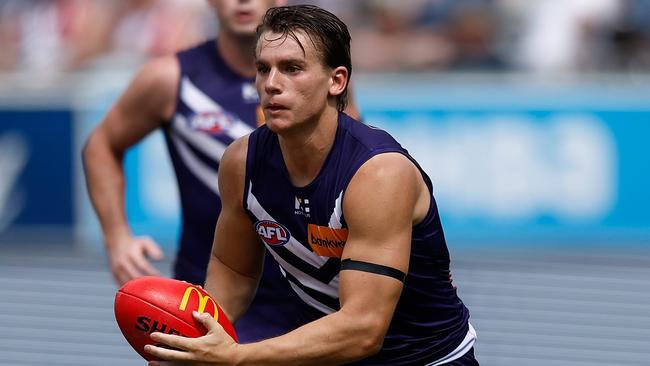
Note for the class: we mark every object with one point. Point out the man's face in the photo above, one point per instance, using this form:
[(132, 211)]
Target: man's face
[(293, 85), (241, 17)]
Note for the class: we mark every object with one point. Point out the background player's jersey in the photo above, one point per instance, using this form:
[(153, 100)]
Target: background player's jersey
[(305, 230), (214, 107)]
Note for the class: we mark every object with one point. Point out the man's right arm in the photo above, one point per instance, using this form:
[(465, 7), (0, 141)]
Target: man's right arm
[(237, 253), (148, 101)]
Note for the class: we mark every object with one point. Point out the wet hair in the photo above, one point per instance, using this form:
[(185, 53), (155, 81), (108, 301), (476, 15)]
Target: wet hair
[(322, 27)]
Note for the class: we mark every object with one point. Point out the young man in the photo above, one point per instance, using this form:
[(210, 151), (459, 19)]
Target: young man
[(346, 212), (203, 99)]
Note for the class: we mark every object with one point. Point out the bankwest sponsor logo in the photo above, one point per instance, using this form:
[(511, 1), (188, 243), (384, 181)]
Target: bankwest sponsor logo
[(272, 233), (200, 304), (325, 241)]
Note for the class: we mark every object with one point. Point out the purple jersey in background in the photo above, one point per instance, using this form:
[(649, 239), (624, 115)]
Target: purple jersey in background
[(215, 106)]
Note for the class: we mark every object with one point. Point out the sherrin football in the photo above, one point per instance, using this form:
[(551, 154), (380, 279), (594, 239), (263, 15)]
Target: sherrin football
[(157, 304)]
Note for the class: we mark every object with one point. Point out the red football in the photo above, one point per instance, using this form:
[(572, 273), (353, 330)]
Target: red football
[(157, 304)]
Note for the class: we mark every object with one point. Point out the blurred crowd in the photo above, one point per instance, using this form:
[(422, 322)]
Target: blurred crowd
[(538, 36)]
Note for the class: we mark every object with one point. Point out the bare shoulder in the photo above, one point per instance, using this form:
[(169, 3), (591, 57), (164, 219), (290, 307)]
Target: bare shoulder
[(155, 86), (387, 168), (232, 170), (235, 155), (148, 102), (386, 186), (161, 71)]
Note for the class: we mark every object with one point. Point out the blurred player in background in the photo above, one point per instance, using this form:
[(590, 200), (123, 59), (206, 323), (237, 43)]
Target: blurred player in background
[(203, 99), (364, 250)]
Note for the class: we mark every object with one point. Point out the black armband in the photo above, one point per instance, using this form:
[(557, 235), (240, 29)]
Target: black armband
[(373, 268)]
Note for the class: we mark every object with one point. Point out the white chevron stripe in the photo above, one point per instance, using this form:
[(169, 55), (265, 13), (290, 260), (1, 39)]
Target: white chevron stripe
[(204, 173), (310, 300), (194, 98), (335, 219), (200, 140), (330, 289), (293, 245)]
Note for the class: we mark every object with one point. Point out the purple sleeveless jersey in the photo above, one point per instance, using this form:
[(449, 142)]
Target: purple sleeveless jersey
[(305, 230)]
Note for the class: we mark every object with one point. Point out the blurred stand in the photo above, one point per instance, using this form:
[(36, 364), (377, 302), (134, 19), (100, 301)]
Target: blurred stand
[(53, 36), (543, 36)]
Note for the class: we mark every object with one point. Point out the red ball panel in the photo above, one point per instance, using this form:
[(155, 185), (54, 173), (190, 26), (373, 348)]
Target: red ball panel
[(157, 304), (138, 318)]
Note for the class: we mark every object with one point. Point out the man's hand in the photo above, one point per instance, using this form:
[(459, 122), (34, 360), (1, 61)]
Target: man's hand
[(128, 258), (214, 348)]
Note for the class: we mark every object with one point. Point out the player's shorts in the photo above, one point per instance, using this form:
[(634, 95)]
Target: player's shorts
[(467, 359)]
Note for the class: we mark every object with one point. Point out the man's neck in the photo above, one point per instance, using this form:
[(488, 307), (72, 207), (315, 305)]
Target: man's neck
[(305, 151), (237, 53)]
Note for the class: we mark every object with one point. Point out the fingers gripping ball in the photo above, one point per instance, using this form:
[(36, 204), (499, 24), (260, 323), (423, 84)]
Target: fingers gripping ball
[(156, 304)]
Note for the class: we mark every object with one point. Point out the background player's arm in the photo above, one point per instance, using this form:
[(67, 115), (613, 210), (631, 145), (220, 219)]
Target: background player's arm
[(237, 255), (148, 101), (383, 201)]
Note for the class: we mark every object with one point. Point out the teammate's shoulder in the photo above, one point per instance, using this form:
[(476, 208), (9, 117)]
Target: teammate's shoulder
[(167, 68), (165, 64), (160, 71)]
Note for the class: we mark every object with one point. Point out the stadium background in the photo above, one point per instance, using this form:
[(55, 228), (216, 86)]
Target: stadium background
[(530, 116)]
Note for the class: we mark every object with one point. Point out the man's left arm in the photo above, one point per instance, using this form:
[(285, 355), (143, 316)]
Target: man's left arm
[(381, 203)]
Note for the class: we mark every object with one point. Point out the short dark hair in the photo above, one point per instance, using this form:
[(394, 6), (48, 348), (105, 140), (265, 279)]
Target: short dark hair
[(322, 27)]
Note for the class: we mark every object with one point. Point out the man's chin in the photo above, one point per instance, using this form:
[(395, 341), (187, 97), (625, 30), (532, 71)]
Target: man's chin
[(279, 125), (244, 31)]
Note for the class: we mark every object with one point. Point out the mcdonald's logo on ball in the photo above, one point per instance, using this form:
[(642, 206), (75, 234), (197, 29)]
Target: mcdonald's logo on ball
[(157, 304), (203, 298)]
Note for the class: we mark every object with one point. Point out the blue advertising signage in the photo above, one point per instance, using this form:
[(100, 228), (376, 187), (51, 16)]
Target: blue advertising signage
[(510, 166), (36, 185)]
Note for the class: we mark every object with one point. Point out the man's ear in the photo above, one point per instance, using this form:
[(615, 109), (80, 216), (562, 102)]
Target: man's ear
[(338, 80)]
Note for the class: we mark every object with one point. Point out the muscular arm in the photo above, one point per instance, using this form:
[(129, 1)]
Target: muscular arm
[(380, 222), (148, 101), (237, 255)]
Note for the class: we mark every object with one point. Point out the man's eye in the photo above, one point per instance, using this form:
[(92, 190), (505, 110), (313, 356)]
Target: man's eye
[(262, 69), (293, 69)]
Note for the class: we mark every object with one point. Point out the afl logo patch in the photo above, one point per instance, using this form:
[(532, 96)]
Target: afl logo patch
[(211, 122), (272, 233)]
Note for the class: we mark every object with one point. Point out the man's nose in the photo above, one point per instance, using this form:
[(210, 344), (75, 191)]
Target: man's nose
[(272, 83)]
